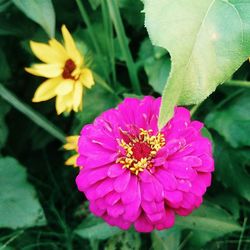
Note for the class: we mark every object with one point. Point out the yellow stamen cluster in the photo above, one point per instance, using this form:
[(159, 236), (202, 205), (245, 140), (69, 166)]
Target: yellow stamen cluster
[(129, 161)]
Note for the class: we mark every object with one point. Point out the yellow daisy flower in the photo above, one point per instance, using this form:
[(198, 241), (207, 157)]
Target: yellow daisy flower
[(64, 67), (71, 144)]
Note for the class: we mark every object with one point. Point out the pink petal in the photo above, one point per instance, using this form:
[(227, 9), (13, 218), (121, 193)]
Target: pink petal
[(207, 163), (143, 225), (87, 178), (95, 162), (173, 196), (105, 187), (132, 192), (112, 198), (182, 170), (198, 188), (167, 221), (132, 211), (121, 182), (95, 209), (192, 160), (115, 170), (115, 210), (197, 125), (152, 207), (167, 179), (184, 185)]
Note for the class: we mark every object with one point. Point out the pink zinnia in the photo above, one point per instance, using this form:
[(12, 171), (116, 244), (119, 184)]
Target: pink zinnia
[(134, 174)]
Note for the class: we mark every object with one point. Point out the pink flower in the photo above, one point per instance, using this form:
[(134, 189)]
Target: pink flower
[(134, 174)]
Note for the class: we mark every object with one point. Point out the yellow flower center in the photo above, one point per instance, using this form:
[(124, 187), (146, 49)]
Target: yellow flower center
[(140, 150)]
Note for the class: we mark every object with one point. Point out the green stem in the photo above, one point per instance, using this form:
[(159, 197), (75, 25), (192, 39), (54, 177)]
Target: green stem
[(238, 83), (11, 239), (104, 84), (194, 109), (242, 233), (117, 20), (37, 118), (92, 35), (109, 37), (87, 22)]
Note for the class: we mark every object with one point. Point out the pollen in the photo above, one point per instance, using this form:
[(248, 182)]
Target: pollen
[(138, 152)]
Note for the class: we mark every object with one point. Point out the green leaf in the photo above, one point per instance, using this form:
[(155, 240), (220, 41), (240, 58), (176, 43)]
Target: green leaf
[(95, 228), (158, 71), (4, 109), (166, 239), (9, 26), (199, 238), (4, 67), (19, 206), (4, 247), (132, 12), (233, 121), (98, 60), (128, 240), (30, 113), (156, 64), (95, 4), (231, 166), (208, 41), (4, 4), (40, 11), (211, 219), (228, 201)]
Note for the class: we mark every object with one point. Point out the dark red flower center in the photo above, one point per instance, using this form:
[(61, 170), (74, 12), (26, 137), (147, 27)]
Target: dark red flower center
[(141, 150), (68, 69)]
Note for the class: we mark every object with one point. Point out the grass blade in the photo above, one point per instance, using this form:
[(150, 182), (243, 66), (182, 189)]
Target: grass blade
[(34, 116)]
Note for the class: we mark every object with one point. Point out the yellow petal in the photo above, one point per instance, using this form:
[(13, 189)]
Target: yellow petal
[(72, 142), (60, 105), (65, 87), (45, 70), (46, 90), (77, 99), (86, 78), (47, 53), (70, 46), (72, 161), (69, 101), (58, 47), (64, 103)]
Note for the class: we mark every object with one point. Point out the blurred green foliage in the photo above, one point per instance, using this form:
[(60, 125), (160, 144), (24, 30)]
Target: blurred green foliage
[(40, 207)]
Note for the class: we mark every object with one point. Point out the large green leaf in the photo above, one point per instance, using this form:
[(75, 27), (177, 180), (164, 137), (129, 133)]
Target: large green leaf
[(233, 121), (208, 40), (231, 168), (211, 219), (166, 239), (131, 12), (128, 240), (95, 228), (40, 11), (156, 63), (19, 206), (4, 109)]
